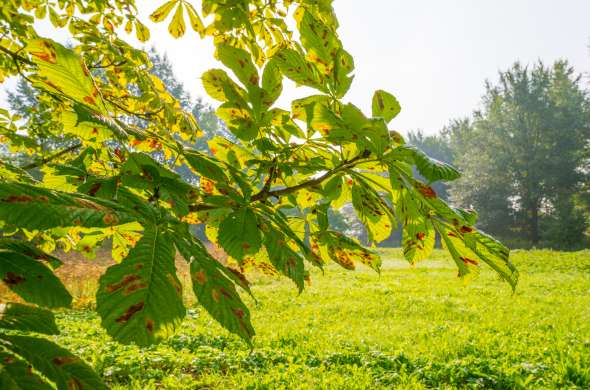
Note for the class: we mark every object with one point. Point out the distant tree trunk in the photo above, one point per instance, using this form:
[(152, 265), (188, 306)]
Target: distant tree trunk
[(534, 224)]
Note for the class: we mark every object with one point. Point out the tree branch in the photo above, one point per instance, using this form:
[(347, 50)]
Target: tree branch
[(52, 157), (265, 192), (262, 195)]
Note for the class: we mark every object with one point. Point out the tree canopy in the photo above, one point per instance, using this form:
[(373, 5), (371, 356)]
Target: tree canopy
[(263, 194), (524, 156)]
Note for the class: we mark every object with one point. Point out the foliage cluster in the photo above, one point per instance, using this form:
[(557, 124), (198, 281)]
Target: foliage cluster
[(82, 171)]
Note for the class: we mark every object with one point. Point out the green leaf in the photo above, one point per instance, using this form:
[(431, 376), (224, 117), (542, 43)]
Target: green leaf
[(283, 257), (221, 87), (215, 289), (239, 120), (57, 364), (61, 70), (345, 251), (385, 105), (31, 280), (272, 83), (28, 249), (372, 211), (302, 109), (297, 68), (16, 374), (87, 130), (33, 207), (240, 62), (344, 65), (492, 252), (239, 234), (432, 169), (320, 41), (418, 239), (205, 166), (141, 171), (464, 257), (333, 188), (16, 316), (140, 299)]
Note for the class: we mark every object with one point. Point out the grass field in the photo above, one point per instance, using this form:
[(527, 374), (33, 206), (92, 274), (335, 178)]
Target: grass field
[(408, 328)]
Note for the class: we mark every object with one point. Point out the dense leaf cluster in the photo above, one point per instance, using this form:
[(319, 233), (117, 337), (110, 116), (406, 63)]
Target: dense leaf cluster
[(263, 197)]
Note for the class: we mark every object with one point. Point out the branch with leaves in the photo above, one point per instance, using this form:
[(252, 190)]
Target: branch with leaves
[(263, 196)]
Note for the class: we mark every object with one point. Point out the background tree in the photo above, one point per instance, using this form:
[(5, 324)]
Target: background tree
[(522, 155)]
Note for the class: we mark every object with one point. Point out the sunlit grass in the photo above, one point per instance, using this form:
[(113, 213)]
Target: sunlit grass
[(410, 327)]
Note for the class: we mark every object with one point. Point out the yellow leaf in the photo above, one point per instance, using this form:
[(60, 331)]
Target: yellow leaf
[(142, 32), (128, 27), (177, 26), (196, 22), (162, 12)]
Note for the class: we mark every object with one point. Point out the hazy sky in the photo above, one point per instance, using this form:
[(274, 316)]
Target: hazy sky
[(433, 55)]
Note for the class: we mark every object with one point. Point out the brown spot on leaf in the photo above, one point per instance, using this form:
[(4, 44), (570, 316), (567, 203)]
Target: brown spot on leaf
[(420, 236), (238, 312), (47, 53), (215, 295), (89, 99), (12, 279), (239, 275), (18, 199), (130, 312), (94, 189), (63, 360), (128, 279), (469, 261), (110, 219), (466, 229), (88, 204), (149, 325), (225, 293), (134, 287), (175, 283), (200, 277), (426, 191)]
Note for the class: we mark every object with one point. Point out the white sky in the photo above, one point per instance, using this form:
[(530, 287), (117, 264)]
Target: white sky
[(433, 55)]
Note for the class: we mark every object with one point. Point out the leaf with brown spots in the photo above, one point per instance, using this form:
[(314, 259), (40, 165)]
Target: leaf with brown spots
[(345, 251), (16, 316), (214, 286), (58, 365), (385, 105), (418, 239), (239, 234), (140, 299), (30, 279), (59, 71), (17, 374), (46, 209), (283, 257)]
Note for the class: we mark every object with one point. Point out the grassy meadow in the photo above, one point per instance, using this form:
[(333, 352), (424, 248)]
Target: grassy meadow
[(409, 328)]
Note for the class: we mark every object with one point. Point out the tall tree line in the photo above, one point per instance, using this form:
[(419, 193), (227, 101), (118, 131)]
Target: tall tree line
[(525, 157)]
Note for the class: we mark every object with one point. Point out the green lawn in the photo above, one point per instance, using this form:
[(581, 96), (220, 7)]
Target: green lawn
[(409, 327)]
